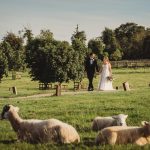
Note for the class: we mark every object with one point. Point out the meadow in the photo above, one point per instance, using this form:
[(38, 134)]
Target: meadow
[(77, 109)]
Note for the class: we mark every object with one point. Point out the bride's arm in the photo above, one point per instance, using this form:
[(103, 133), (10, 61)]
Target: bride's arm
[(110, 71), (100, 69)]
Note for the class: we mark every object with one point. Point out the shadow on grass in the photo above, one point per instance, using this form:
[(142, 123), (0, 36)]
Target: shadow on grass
[(8, 141), (90, 142)]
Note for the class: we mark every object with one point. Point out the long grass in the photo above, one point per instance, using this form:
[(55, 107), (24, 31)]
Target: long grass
[(79, 109)]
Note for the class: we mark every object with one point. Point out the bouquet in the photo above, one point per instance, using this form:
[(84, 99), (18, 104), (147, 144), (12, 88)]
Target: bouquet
[(110, 78)]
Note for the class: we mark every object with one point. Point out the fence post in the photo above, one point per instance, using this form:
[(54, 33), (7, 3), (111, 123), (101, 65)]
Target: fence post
[(58, 90), (14, 89), (126, 86)]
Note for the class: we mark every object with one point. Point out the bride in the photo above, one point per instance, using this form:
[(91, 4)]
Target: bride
[(106, 76)]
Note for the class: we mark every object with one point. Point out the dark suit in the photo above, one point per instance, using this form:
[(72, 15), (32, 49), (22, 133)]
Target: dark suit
[(90, 67)]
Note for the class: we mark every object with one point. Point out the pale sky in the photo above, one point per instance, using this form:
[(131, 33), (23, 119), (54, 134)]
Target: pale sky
[(62, 16)]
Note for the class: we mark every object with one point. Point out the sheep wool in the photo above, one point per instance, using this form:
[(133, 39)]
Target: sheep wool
[(103, 122), (35, 131), (124, 135)]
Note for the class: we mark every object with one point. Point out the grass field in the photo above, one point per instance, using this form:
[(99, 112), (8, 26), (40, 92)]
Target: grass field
[(78, 109)]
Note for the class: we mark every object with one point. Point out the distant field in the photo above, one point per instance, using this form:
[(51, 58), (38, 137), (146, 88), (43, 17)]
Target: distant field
[(78, 110), (137, 78)]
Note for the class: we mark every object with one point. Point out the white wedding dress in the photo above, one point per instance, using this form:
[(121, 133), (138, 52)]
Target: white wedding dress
[(104, 83)]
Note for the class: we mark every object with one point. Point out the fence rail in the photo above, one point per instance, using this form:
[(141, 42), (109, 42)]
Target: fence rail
[(130, 63)]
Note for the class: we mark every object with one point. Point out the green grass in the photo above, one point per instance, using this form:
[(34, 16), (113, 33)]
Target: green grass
[(78, 110), (137, 78)]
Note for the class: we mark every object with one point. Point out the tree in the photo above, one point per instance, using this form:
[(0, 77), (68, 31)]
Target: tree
[(146, 47), (80, 35), (116, 55), (40, 53), (51, 60), (78, 43), (3, 64), (27, 34), (12, 47), (130, 37), (97, 46), (110, 41)]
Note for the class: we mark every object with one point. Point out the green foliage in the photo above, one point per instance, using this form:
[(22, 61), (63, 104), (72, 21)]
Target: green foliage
[(110, 41), (79, 46), (65, 62), (40, 52), (131, 37), (12, 47), (97, 46), (80, 35), (116, 55), (146, 47), (27, 33), (3, 64), (51, 60)]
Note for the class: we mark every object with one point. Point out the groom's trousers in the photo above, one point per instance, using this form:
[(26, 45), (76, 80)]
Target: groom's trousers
[(90, 78)]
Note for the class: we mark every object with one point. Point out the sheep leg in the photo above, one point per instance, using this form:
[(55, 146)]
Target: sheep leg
[(112, 138), (141, 141), (100, 139)]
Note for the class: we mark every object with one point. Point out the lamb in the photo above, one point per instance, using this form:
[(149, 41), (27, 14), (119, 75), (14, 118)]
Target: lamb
[(125, 135), (103, 122), (39, 131)]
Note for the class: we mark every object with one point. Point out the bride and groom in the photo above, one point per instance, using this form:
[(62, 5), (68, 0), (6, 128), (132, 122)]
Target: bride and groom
[(105, 82)]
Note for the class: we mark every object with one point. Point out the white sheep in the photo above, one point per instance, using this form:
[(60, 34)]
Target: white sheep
[(125, 135), (35, 131), (103, 122)]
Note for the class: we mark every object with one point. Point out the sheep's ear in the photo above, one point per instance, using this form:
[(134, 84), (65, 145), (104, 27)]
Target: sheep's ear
[(144, 123), (6, 108), (16, 109), (126, 116), (115, 117)]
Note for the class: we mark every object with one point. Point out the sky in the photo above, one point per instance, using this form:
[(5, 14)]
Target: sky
[(62, 16)]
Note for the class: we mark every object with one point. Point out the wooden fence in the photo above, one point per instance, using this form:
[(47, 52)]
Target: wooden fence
[(130, 63)]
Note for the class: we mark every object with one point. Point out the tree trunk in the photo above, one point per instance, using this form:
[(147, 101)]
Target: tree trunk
[(45, 86), (13, 75)]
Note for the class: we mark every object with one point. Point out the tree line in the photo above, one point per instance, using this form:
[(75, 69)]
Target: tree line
[(51, 60)]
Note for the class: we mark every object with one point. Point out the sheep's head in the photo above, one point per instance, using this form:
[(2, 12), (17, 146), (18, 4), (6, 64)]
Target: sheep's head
[(146, 125), (120, 119), (7, 109)]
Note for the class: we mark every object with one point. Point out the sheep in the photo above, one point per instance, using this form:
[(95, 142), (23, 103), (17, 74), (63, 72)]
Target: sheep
[(103, 122), (125, 135), (39, 131)]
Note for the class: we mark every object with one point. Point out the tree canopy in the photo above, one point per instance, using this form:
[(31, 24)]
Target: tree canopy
[(12, 47), (51, 60), (3, 64), (78, 40)]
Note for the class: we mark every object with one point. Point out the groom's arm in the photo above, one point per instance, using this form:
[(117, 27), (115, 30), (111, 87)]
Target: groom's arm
[(97, 68)]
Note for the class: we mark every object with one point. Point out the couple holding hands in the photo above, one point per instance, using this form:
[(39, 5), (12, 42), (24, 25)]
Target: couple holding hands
[(105, 82)]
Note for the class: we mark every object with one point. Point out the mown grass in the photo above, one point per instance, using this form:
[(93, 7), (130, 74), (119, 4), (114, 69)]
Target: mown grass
[(78, 110), (137, 78)]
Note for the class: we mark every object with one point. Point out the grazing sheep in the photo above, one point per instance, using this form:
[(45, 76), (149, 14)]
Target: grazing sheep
[(125, 135), (103, 122), (35, 131)]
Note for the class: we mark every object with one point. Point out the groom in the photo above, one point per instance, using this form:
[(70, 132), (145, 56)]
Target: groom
[(90, 67)]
